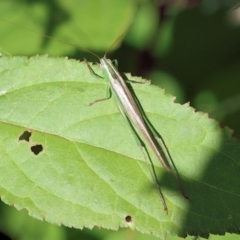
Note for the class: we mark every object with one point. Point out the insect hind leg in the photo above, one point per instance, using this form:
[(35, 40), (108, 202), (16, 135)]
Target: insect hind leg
[(146, 157)]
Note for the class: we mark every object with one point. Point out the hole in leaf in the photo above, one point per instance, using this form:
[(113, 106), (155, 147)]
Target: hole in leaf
[(25, 136), (36, 149), (128, 219)]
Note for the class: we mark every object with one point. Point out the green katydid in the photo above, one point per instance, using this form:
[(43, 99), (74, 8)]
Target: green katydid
[(133, 114)]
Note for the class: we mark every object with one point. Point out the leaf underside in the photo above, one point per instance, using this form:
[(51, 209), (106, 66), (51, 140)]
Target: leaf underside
[(79, 165)]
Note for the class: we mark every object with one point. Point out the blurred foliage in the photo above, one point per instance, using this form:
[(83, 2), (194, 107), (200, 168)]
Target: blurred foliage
[(192, 52), (19, 226)]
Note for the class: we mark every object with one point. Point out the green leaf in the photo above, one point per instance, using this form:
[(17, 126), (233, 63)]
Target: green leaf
[(89, 24), (78, 165)]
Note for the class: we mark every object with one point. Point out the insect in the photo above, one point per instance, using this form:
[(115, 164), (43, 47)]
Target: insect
[(134, 116)]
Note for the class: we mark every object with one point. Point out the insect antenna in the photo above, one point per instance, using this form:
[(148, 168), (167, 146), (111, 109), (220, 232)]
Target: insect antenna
[(115, 41), (52, 38)]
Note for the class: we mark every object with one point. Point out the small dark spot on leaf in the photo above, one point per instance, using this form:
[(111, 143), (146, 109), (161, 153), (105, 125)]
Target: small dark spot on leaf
[(25, 136), (128, 219), (36, 149)]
